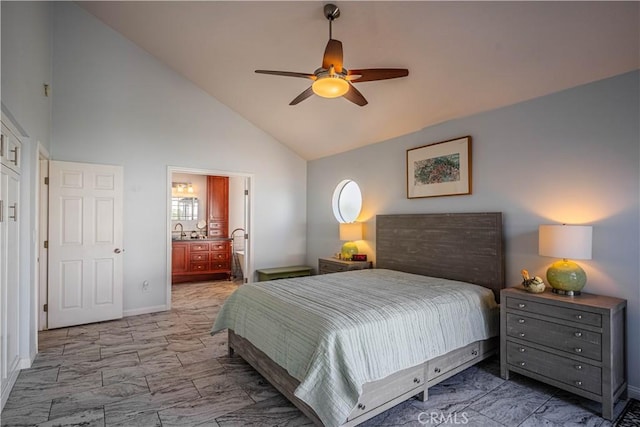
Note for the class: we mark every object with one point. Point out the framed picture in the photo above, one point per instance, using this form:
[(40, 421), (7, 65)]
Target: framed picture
[(440, 169)]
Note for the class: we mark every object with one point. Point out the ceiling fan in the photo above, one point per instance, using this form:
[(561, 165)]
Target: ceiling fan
[(332, 79)]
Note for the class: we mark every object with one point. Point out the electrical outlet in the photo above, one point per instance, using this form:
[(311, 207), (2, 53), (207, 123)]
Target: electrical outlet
[(145, 286)]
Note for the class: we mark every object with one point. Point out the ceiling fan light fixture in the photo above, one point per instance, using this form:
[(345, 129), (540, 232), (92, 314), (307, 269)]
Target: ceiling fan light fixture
[(330, 86)]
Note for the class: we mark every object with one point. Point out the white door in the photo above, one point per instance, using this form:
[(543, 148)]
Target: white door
[(85, 243), (9, 279)]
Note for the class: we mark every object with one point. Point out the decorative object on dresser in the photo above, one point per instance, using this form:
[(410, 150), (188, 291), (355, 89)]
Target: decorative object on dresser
[(265, 274), (532, 284), (349, 232), (333, 265), (576, 344), (565, 241), (440, 169)]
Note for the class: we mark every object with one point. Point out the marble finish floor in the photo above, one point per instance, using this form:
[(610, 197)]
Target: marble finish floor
[(164, 369)]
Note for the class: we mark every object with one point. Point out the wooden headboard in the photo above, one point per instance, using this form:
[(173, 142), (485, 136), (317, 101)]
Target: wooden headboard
[(458, 246)]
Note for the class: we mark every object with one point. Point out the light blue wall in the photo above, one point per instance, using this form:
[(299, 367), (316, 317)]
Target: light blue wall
[(116, 104), (569, 157)]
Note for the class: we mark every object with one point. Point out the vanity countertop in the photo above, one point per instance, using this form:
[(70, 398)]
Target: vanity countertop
[(206, 239)]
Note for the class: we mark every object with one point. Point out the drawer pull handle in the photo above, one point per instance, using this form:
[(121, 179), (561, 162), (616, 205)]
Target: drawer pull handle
[(522, 350), (361, 406), (474, 352), (521, 305), (578, 382), (15, 156), (522, 363), (578, 350), (578, 367), (520, 320), (578, 334), (416, 380), (436, 370), (579, 316), (522, 334)]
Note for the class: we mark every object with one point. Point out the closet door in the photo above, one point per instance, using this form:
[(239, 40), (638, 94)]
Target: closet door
[(9, 293)]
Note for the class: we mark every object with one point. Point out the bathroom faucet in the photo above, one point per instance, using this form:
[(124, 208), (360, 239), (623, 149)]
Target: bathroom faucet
[(182, 233)]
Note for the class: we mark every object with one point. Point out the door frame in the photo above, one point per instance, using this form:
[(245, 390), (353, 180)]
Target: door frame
[(248, 215), (42, 209)]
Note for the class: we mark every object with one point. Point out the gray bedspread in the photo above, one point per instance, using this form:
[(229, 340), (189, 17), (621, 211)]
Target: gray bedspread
[(336, 332)]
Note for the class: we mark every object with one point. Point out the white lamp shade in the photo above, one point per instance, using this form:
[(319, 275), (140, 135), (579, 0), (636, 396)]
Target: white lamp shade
[(565, 241), (351, 231)]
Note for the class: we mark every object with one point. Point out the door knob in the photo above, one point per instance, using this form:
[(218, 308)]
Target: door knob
[(117, 250)]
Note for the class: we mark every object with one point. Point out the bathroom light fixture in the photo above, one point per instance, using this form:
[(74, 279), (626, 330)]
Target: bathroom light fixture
[(565, 241), (181, 187)]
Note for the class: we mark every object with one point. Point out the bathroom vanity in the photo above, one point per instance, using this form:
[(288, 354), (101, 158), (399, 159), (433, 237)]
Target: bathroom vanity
[(199, 260)]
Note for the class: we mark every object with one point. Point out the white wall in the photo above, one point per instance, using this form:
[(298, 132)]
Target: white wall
[(568, 157), (26, 67), (114, 103)]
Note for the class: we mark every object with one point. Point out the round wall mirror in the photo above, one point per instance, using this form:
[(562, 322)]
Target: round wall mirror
[(347, 201)]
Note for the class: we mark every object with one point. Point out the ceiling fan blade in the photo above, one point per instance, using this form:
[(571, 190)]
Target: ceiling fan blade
[(287, 74), (355, 96), (333, 55), (372, 74), (304, 95)]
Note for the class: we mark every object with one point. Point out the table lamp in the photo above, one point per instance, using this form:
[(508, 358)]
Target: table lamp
[(565, 241), (349, 232)]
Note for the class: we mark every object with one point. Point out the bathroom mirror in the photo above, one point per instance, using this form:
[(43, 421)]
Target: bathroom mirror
[(184, 208)]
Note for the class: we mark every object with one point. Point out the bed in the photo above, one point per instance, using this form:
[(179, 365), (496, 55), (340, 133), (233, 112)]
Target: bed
[(345, 347)]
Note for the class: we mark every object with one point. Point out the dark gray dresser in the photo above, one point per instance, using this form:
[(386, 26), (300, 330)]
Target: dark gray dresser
[(333, 265), (574, 343)]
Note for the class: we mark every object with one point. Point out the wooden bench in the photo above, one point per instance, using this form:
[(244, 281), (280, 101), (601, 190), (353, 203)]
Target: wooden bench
[(265, 274)]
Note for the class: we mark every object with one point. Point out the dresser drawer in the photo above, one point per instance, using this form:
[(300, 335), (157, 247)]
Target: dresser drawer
[(443, 364), (220, 265), (200, 256), (219, 256), (408, 380), (561, 337), (196, 247), (199, 266), (329, 267), (576, 374), (578, 316), (219, 246), (216, 233)]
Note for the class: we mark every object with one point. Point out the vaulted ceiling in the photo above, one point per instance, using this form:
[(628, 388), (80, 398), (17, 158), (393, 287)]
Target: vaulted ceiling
[(463, 58)]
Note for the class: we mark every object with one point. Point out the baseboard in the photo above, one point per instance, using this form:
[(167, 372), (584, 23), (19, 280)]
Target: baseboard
[(633, 392), (144, 310), (26, 362)]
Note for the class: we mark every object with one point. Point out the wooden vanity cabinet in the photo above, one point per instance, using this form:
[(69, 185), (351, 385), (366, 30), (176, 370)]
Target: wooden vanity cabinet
[(179, 258), (218, 206), (200, 260)]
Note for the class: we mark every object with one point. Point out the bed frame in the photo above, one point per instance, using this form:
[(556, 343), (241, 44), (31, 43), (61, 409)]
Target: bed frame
[(461, 246)]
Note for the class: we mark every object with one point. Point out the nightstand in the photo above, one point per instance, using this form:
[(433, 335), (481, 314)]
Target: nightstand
[(334, 265), (573, 343)]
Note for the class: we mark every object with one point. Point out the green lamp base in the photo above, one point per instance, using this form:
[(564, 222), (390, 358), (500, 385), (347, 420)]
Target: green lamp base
[(348, 250), (566, 277)]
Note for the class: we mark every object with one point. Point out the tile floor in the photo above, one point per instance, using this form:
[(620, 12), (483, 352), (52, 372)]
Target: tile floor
[(164, 369)]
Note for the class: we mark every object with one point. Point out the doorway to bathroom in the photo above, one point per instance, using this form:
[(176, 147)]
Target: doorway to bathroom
[(208, 227)]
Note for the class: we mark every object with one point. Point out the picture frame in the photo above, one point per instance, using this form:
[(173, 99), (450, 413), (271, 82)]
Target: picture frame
[(439, 169)]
